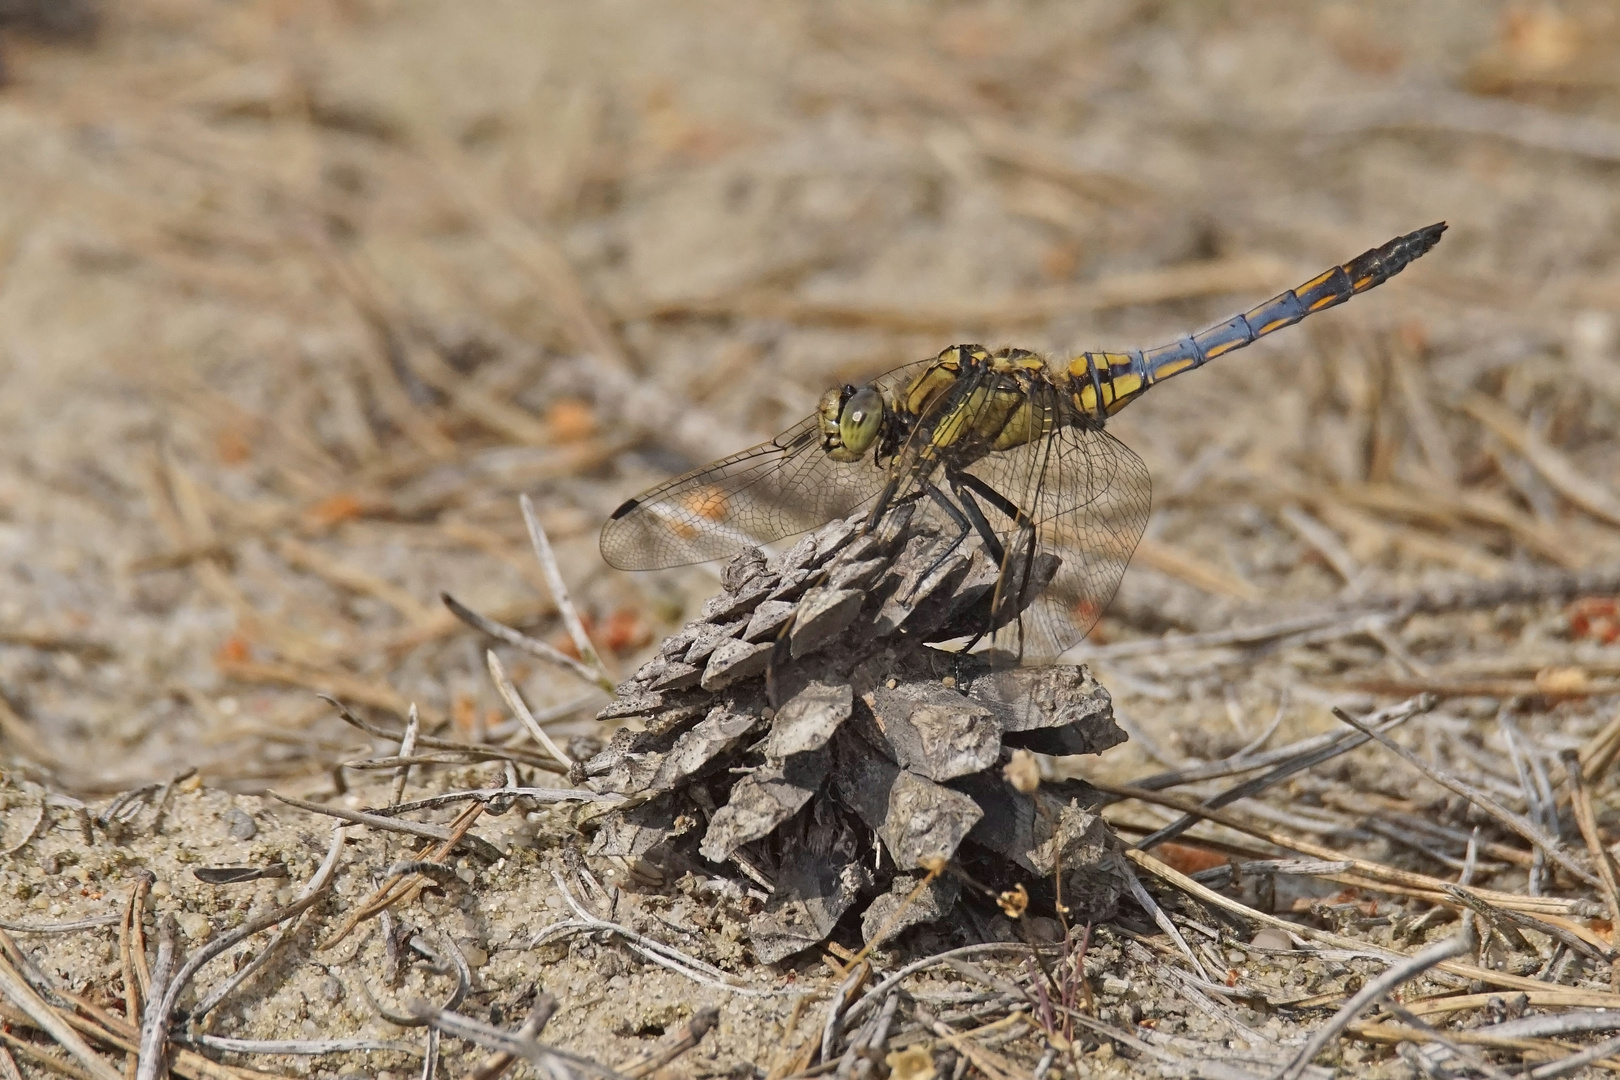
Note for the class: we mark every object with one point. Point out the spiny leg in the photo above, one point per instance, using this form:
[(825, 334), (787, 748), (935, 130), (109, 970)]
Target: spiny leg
[(981, 524), (991, 496), (1025, 538), (884, 500), (965, 511), (964, 525)]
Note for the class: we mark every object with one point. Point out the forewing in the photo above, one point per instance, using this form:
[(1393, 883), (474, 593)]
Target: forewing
[(770, 491), (757, 496), (1088, 496)]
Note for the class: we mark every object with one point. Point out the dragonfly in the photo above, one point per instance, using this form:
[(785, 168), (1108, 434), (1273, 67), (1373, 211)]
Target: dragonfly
[(1006, 445)]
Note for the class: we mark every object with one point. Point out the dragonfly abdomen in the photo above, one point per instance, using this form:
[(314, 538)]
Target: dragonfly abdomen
[(1102, 383)]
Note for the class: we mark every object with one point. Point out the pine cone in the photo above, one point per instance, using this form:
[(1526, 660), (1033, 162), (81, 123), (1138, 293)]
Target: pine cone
[(800, 730)]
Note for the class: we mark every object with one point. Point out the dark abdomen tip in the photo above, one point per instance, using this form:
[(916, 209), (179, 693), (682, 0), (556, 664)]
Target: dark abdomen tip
[(1409, 247)]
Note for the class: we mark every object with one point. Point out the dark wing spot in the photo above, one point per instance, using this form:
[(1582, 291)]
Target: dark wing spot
[(624, 508)]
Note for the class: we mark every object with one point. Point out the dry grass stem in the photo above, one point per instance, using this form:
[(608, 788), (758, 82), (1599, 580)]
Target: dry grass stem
[(1340, 941), (1371, 874), (672, 1045), (316, 885), (1586, 820), (540, 1014), (1554, 466), (988, 1062), (153, 1046), (532, 646), (1576, 1062), (1599, 752), (559, 594), (303, 1047), (397, 888), (1384, 720), (544, 1058), (71, 927), (1156, 913), (407, 747), (476, 751), (1547, 844), (41, 1013), (520, 709), (656, 951), (483, 848)]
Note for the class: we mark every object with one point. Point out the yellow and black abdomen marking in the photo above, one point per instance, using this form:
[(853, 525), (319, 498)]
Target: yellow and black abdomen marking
[(1101, 383)]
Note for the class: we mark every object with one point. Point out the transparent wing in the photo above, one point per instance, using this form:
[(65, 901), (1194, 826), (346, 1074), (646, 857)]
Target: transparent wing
[(756, 496), (1087, 496), (772, 490)]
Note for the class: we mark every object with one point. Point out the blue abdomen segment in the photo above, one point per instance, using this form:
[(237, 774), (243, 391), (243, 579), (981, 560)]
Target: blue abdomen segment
[(1276, 313), (1101, 383)]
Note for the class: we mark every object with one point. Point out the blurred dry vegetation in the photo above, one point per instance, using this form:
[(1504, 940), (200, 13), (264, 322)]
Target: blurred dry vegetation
[(296, 297)]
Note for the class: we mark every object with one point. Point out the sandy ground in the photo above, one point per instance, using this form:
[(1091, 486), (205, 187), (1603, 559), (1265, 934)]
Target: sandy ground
[(296, 298)]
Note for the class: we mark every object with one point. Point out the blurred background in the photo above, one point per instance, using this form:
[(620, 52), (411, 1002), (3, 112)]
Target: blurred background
[(296, 297)]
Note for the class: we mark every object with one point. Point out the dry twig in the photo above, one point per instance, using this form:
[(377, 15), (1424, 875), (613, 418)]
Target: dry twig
[(1554, 466), (545, 1006), (520, 709), (317, 884), (49, 1020), (559, 593), (673, 1045), (1586, 819), (1550, 845), (483, 848)]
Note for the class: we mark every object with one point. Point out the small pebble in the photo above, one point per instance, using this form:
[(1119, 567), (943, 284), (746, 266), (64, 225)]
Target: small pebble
[(1271, 938), (475, 956), (241, 824), (331, 989), (195, 926)]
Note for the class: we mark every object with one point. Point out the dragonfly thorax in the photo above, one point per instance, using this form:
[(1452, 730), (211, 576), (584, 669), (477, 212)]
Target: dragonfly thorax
[(969, 402)]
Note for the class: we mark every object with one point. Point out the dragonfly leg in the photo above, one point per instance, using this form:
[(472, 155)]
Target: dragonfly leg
[(991, 496), (884, 499), (963, 525), (964, 497), (1008, 592)]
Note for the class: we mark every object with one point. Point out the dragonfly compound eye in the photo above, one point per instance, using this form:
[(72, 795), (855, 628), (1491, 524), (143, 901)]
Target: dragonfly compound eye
[(860, 419)]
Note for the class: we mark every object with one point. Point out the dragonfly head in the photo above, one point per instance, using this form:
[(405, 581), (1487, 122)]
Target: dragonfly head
[(850, 420)]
